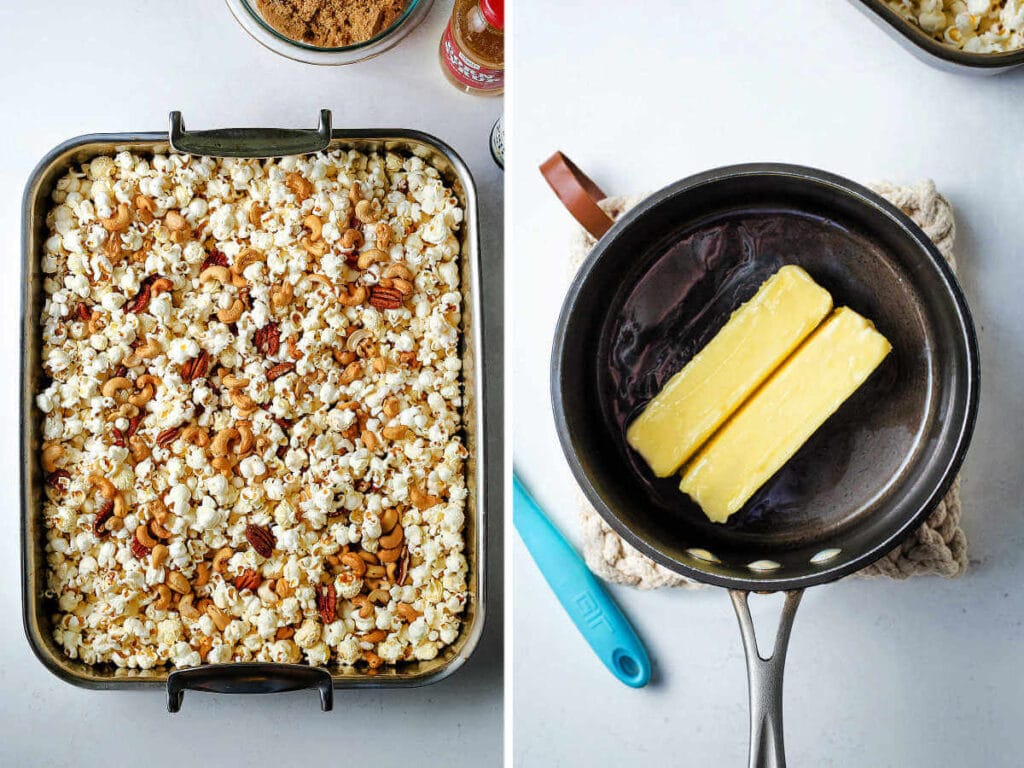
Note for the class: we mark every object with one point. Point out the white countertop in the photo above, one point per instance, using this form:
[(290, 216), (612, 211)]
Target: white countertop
[(914, 674), (68, 68)]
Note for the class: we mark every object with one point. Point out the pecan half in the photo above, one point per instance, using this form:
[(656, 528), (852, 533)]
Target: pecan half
[(268, 339), (168, 436), (82, 311), (196, 368), (326, 602), (142, 298), (214, 259), (385, 298), (261, 538), (139, 549), (57, 480), (133, 425), (280, 370), (248, 579), (101, 518)]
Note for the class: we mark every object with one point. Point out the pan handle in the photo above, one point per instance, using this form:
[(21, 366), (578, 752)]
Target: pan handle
[(249, 678), (764, 677), (578, 193), (250, 142)]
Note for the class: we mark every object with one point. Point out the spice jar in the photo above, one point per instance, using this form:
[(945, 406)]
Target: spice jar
[(473, 47)]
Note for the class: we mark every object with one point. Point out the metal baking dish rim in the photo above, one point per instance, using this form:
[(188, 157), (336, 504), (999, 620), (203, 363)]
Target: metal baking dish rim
[(474, 339)]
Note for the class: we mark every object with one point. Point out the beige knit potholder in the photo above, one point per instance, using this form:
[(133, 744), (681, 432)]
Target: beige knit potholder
[(938, 547)]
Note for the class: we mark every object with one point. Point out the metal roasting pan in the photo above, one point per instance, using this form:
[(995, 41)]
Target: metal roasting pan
[(249, 677), (931, 51), (862, 483)]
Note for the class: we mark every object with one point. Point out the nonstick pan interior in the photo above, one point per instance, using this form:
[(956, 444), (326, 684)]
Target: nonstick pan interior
[(666, 278)]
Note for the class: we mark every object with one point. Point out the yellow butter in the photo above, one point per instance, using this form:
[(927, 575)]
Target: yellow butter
[(753, 343), (783, 414)]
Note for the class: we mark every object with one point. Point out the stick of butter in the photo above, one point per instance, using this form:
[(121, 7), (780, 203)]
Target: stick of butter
[(781, 416), (753, 343)]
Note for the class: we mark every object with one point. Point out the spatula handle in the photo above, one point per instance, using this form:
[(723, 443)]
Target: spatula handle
[(591, 609)]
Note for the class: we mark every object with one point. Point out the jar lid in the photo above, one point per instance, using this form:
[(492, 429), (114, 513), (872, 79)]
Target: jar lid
[(494, 12)]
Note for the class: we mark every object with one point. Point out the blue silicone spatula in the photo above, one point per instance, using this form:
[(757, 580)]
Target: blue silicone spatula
[(597, 618)]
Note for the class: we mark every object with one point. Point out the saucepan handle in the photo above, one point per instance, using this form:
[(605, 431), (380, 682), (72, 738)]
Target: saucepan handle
[(249, 678), (764, 676), (250, 142), (578, 193)]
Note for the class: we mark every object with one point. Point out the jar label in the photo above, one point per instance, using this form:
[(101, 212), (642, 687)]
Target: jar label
[(467, 71)]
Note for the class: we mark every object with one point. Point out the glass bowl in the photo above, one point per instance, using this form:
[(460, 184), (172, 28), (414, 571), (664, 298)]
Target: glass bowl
[(249, 18)]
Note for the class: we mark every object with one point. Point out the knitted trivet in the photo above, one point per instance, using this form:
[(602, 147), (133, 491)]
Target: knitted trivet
[(939, 546)]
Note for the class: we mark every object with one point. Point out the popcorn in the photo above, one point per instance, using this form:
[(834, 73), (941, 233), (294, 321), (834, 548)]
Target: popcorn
[(977, 26), (335, 453)]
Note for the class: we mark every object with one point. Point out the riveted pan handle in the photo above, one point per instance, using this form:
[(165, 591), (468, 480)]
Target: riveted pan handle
[(578, 193), (250, 142), (764, 677), (249, 678)]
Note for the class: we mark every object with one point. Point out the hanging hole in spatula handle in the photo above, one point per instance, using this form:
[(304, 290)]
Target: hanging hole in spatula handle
[(249, 678), (764, 676), (250, 142), (578, 193)]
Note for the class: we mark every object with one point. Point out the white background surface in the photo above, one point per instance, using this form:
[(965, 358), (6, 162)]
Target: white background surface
[(68, 68), (915, 674)]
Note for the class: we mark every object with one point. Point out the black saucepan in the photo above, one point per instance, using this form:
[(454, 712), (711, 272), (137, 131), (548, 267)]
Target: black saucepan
[(662, 281)]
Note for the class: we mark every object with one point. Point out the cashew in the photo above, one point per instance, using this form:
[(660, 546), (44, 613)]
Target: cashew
[(186, 608), (202, 574), (351, 238), (220, 619), (389, 555), (392, 539), (103, 485), (163, 601), (281, 296), (52, 454), (398, 270), (112, 386), (177, 581), (406, 611), (389, 519), (120, 505), (195, 435), (353, 296), (238, 281), (233, 313), (161, 285), (404, 287), (246, 440), (242, 402), (266, 592), (146, 207), (138, 447), (149, 349), (119, 221), (224, 465), (365, 212), (142, 534), (355, 562), (220, 274), (299, 185), (220, 559), (370, 440), (96, 322), (221, 444), (313, 249), (244, 258), (159, 555), (369, 257), (375, 636), (158, 529), (379, 596), (314, 225)]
